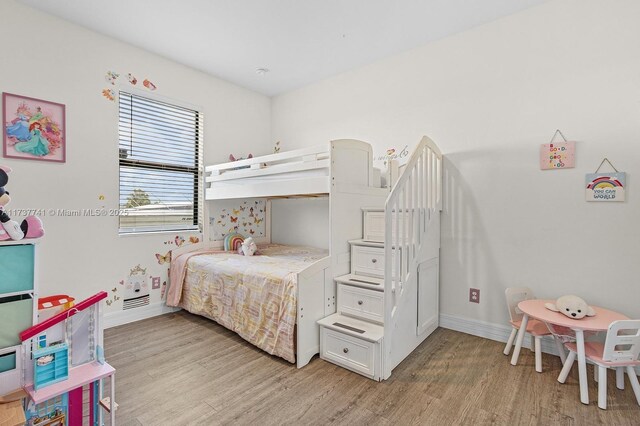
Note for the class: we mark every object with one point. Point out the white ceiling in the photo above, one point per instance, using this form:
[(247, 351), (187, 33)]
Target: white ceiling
[(299, 41)]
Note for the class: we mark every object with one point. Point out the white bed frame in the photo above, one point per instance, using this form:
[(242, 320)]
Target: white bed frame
[(343, 171)]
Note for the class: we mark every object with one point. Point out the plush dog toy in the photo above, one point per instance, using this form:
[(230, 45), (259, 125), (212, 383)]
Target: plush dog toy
[(248, 247), (571, 306), (31, 226)]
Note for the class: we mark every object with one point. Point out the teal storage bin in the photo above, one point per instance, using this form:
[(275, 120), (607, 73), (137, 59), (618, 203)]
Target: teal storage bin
[(7, 362), (16, 264), (16, 315)]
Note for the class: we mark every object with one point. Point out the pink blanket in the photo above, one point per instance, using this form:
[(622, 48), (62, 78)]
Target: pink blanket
[(178, 271)]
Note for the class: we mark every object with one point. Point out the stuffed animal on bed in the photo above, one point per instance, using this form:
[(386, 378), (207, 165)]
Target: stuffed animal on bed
[(571, 306), (248, 247)]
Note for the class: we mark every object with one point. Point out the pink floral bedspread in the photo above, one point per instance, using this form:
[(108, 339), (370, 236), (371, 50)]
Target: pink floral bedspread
[(255, 296)]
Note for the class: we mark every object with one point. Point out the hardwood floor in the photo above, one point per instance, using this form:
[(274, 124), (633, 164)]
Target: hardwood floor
[(181, 369)]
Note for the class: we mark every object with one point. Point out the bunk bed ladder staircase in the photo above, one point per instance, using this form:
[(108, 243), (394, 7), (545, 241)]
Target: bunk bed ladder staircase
[(388, 304)]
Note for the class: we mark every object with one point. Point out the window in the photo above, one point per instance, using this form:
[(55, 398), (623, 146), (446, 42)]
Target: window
[(160, 166)]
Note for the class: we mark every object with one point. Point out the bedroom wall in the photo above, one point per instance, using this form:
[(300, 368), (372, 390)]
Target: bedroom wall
[(489, 97), (47, 58), (301, 221)]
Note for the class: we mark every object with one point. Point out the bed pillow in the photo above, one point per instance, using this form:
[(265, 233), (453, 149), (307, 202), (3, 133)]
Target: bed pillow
[(233, 241)]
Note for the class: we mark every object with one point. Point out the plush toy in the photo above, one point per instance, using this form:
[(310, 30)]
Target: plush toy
[(232, 158), (571, 306), (248, 247), (31, 226)]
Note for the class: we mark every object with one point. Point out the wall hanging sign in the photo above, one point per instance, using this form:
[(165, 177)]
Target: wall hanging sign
[(605, 186), (558, 155), (33, 129)]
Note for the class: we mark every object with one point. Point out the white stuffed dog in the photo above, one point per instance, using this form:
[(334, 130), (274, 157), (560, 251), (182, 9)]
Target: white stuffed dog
[(248, 247), (572, 306)]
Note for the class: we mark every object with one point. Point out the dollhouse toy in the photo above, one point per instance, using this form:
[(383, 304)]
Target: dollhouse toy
[(61, 355)]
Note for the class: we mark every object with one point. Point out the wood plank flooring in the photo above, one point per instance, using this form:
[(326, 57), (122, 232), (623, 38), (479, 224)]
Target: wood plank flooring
[(181, 369)]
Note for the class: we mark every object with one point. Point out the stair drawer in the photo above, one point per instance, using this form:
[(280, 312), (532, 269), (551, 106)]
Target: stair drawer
[(368, 261), (361, 302), (348, 351), (373, 226)]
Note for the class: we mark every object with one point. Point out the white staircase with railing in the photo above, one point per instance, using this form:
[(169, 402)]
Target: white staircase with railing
[(388, 303)]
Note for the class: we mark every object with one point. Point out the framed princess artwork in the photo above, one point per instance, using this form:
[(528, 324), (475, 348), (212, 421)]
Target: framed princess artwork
[(33, 129)]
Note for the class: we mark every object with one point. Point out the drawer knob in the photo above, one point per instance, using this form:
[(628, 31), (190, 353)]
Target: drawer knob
[(360, 302), (345, 350), (374, 260)]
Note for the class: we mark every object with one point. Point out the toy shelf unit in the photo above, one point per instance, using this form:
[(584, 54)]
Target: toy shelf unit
[(61, 355), (388, 299), (18, 310), (50, 365)]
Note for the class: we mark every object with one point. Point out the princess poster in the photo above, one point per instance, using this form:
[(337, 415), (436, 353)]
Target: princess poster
[(33, 129)]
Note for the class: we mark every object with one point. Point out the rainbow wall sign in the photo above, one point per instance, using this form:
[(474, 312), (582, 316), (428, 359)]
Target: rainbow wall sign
[(605, 186)]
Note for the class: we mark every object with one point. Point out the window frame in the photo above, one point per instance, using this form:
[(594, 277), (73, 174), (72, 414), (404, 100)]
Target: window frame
[(197, 170)]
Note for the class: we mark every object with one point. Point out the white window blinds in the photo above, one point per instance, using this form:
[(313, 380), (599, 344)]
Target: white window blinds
[(160, 165)]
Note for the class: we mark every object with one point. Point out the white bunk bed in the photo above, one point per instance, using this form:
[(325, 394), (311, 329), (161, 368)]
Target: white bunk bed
[(369, 303), (343, 171)]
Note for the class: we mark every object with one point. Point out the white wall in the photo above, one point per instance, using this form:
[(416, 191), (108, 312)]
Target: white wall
[(489, 97), (301, 221), (47, 58)]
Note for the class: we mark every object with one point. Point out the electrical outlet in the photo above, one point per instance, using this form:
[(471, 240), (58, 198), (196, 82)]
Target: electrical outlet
[(474, 295)]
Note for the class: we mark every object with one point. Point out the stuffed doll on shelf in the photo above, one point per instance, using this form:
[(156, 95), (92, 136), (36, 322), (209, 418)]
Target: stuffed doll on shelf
[(31, 226)]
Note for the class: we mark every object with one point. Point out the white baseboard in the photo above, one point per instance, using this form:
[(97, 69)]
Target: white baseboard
[(113, 319), (497, 332)]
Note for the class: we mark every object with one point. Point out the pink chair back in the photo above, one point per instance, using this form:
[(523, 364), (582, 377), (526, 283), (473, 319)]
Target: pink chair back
[(623, 341), (515, 295)]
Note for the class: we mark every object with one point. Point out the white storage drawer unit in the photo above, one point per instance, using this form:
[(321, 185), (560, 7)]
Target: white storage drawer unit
[(373, 226), (373, 229), (348, 351), (361, 302), (367, 261)]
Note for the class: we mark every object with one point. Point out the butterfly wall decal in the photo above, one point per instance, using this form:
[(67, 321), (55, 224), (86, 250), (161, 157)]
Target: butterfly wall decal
[(257, 221), (234, 219), (161, 259), (194, 240), (179, 240), (236, 212)]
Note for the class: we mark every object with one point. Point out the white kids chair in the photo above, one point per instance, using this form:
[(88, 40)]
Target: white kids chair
[(619, 351), (535, 328)]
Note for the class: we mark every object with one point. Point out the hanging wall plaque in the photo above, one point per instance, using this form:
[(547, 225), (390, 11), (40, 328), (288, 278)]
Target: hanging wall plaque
[(605, 186), (557, 155)]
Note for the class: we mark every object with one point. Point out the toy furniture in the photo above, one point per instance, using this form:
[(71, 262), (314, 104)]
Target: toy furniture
[(620, 351), (71, 358), (600, 322), (11, 408), (18, 310), (535, 328), (383, 259)]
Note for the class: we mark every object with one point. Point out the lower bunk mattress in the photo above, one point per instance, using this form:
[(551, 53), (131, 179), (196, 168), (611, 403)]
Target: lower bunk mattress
[(255, 296)]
